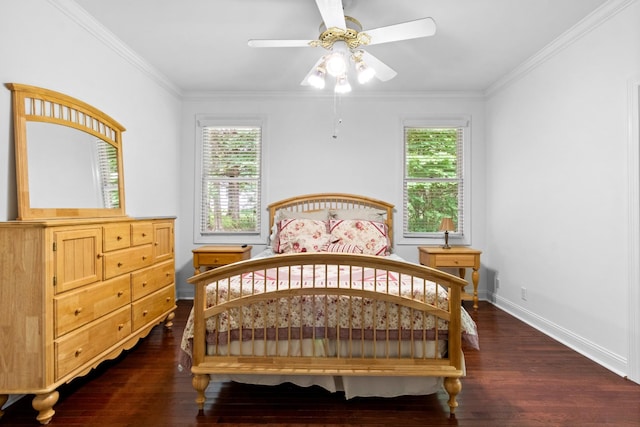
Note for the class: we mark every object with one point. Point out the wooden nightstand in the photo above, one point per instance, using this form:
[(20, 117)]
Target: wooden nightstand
[(217, 256), (459, 257)]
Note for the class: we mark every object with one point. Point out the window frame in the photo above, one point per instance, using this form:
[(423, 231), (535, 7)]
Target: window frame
[(460, 237), (257, 237)]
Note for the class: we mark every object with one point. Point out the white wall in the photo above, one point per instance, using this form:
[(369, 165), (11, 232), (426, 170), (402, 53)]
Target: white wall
[(558, 205), (302, 157), (43, 45)]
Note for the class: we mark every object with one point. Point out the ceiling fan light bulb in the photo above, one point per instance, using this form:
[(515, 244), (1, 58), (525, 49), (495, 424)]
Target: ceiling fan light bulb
[(365, 73), (336, 64), (316, 79), (342, 85)]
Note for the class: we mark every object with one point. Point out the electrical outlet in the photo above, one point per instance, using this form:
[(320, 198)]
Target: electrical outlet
[(496, 284), (523, 293)]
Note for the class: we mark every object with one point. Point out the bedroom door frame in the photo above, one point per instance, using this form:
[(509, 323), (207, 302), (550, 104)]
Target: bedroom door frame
[(633, 357)]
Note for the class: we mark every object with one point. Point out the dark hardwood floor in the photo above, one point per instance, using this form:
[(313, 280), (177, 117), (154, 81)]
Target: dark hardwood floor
[(519, 377)]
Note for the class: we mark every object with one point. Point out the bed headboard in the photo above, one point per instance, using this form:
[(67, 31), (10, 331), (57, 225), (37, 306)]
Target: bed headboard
[(316, 202)]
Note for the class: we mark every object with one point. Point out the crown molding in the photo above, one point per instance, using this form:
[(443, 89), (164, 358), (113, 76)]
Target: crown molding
[(590, 22), (415, 95), (101, 33)]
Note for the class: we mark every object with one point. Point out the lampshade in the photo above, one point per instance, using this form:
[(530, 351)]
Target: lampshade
[(316, 79), (447, 225), (364, 72), (342, 84)]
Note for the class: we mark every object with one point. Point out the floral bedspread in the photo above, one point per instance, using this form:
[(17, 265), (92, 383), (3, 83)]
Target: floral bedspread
[(326, 316)]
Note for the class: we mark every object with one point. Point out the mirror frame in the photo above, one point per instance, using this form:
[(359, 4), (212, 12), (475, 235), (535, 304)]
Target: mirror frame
[(36, 104)]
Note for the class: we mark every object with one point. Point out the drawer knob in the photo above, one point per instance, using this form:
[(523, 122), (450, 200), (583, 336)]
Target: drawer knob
[(120, 293), (119, 238), (144, 313), (144, 284), (144, 234), (168, 299), (215, 260), (78, 311), (120, 264), (120, 326), (144, 257), (78, 351)]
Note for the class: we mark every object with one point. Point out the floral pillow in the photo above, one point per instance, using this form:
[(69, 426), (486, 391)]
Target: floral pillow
[(301, 235), (320, 215), (370, 236)]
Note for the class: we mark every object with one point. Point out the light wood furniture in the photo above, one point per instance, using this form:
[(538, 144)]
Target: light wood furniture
[(76, 293), (460, 257), (80, 282), (217, 256), (285, 269)]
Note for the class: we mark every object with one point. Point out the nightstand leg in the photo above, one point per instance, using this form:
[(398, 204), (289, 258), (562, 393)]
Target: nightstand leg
[(475, 277)]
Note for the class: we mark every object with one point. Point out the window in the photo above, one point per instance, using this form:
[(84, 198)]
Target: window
[(229, 180), (108, 171), (434, 177)]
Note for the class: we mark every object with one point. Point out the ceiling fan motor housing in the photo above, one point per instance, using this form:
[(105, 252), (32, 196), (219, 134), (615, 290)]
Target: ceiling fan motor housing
[(351, 35)]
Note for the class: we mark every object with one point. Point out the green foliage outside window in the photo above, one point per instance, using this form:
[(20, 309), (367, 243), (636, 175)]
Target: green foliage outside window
[(432, 177), (231, 179)]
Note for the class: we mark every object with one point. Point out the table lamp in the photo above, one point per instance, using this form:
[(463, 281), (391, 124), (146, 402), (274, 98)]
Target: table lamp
[(446, 225)]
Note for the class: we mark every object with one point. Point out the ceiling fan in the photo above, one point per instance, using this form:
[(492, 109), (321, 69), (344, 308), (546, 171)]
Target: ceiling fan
[(342, 36)]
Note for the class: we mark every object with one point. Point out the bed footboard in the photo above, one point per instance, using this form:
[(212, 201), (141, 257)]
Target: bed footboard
[(328, 314)]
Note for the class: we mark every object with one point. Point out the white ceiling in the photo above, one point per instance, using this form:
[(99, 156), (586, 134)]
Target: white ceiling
[(201, 45)]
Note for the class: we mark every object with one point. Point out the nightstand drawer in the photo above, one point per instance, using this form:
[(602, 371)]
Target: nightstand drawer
[(455, 260), (220, 258)]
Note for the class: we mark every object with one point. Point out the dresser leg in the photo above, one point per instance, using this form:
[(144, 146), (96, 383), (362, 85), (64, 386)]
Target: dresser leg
[(3, 400), (43, 403), (168, 322)]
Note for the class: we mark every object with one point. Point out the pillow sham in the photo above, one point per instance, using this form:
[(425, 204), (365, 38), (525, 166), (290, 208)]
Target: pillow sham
[(371, 236), (319, 215), (339, 247), (301, 235)]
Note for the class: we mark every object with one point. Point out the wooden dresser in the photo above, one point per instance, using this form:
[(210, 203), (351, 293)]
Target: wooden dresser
[(76, 292)]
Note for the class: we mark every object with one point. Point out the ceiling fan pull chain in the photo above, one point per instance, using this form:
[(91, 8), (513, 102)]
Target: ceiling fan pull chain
[(337, 119)]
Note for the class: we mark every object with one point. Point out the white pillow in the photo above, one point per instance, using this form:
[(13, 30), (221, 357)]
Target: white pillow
[(368, 214)]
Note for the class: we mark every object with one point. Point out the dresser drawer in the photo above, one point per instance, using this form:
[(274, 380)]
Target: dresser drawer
[(82, 345), (153, 306), (127, 260), (141, 233), (75, 309), (455, 260), (116, 236), (150, 279)]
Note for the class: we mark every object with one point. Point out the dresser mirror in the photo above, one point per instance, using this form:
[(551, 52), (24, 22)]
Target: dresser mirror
[(68, 157)]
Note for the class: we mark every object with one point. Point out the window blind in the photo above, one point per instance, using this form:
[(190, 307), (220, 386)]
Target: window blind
[(433, 179), (231, 170)]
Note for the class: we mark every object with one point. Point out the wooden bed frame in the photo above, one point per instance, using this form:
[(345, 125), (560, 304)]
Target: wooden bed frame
[(449, 366)]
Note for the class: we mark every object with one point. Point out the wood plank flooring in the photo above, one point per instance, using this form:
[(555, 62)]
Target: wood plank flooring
[(519, 378)]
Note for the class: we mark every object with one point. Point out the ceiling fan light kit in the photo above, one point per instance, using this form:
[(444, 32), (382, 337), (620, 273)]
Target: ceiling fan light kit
[(344, 37)]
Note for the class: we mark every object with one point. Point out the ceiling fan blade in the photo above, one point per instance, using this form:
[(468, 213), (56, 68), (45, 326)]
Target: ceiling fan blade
[(424, 27), (383, 71), (332, 13), (279, 43)]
